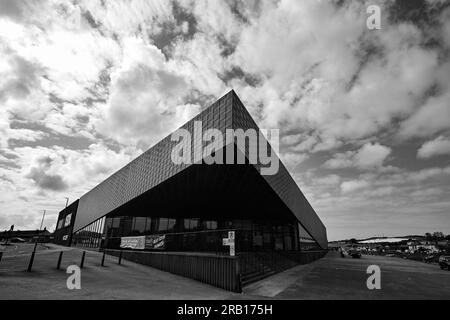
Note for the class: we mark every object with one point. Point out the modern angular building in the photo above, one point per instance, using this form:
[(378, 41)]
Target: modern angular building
[(157, 207)]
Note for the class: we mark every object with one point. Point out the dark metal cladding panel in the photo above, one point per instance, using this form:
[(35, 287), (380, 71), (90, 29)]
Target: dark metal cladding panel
[(149, 169), (283, 183), (66, 230)]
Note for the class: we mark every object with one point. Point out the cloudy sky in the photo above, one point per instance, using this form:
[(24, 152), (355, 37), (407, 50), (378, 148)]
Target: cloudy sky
[(86, 86)]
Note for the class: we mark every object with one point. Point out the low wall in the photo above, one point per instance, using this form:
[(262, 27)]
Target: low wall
[(219, 271)]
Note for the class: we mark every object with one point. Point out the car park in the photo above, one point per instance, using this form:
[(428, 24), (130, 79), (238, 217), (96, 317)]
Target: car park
[(444, 262)]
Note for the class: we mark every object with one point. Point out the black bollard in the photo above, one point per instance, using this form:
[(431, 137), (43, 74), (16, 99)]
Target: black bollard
[(30, 264), (59, 260), (82, 260), (120, 257), (103, 259)]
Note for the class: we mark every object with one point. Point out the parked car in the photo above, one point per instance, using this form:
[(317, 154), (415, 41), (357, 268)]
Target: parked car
[(444, 262), (354, 253)]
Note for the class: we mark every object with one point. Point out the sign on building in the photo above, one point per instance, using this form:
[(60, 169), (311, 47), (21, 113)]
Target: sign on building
[(144, 242), (155, 242), (133, 242), (68, 219), (230, 242)]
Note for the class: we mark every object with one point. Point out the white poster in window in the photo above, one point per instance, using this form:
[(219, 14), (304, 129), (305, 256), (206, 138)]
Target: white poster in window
[(155, 241), (68, 218), (133, 242)]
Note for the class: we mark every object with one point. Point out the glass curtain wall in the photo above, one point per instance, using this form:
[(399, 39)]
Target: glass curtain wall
[(195, 234), (90, 236), (306, 242)]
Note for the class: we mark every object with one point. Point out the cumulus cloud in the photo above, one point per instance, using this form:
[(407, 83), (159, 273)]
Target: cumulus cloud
[(353, 185), (369, 156), (436, 147), (45, 180), (146, 99), (291, 160), (120, 75), (332, 86)]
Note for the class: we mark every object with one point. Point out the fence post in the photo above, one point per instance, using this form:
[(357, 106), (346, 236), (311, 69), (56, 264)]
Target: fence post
[(238, 274), (120, 257), (82, 260), (103, 259), (59, 260)]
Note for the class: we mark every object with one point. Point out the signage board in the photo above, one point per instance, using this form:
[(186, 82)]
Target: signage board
[(229, 242), (67, 221), (133, 242), (155, 241)]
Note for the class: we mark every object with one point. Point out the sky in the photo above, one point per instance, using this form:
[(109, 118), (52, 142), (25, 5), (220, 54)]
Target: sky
[(364, 115)]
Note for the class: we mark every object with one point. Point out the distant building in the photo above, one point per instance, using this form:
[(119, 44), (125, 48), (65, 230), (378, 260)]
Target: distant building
[(429, 246), (27, 235)]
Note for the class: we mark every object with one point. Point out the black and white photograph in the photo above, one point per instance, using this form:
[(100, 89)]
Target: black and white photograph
[(226, 156)]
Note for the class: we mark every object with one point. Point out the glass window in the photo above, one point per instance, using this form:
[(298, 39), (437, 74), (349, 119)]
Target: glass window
[(108, 227), (139, 225), (127, 224), (191, 224), (171, 224), (116, 222), (148, 226), (187, 224), (162, 224), (209, 225)]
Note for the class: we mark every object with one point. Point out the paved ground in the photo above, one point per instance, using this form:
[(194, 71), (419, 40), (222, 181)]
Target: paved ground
[(16, 249), (126, 281), (332, 277)]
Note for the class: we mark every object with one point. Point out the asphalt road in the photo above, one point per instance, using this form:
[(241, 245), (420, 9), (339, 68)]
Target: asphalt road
[(332, 277)]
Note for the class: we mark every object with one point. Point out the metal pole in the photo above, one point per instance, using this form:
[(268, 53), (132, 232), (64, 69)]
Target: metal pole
[(103, 259), (59, 260), (82, 260), (30, 264)]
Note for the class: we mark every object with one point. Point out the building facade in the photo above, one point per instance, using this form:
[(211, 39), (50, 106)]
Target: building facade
[(155, 204), (64, 226)]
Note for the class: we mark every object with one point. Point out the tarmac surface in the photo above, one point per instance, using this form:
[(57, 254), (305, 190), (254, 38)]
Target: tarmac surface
[(332, 277)]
